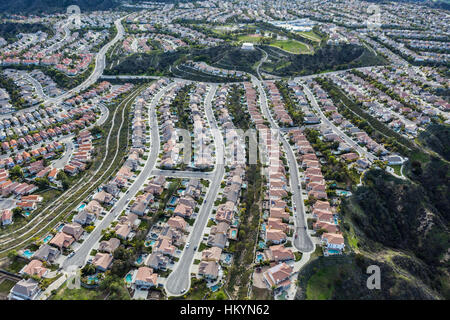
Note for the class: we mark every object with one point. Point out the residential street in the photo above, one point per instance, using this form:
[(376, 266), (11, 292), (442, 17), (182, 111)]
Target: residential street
[(179, 280), (83, 252), (303, 240)]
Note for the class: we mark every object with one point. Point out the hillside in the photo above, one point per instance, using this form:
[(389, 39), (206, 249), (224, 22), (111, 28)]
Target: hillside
[(400, 225)]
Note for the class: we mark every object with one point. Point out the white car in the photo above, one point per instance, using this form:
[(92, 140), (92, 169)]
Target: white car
[(188, 244)]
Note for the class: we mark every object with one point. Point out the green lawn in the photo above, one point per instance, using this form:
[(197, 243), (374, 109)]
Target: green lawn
[(6, 285), (321, 285), (310, 35), (396, 168), (77, 294), (292, 46), (249, 38)]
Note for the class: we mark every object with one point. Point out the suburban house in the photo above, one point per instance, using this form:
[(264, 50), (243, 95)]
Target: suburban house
[(278, 276), (102, 261), (145, 278), (25, 290), (34, 268), (109, 246), (209, 269), (46, 253)]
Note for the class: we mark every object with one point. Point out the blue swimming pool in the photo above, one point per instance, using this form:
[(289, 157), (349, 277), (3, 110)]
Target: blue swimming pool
[(262, 244), (171, 209), (227, 258), (28, 254), (27, 213), (48, 238), (215, 287), (60, 227), (129, 278), (259, 257), (333, 251), (344, 193), (140, 260), (234, 233), (92, 279), (81, 207), (263, 227), (173, 200)]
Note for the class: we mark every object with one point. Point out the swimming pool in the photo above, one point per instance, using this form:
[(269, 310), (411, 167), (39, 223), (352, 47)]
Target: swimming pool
[(227, 258), (171, 209), (333, 251), (262, 244), (259, 257), (234, 233), (28, 254), (92, 279), (215, 287), (60, 227), (140, 259), (263, 227), (81, 207), (129, 278), (344, 193), (173, 200), (27, 213), (48, 238)]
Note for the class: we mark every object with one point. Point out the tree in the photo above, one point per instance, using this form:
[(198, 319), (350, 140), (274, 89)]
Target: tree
[(17, 210), (16, 173), (42, 183)]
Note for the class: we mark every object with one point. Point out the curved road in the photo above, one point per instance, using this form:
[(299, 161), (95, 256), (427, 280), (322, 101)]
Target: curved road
[(303, 240), (80, 256), (179, 280)]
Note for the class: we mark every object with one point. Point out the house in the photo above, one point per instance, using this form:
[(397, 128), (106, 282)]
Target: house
[(25, 290), (177, 222), (94, 207), (46, 253), (217, 240), (164, 246), (208, 269), (103, 197), (327, 226), (6, 217), (211, 254), (102, 261), (157, 261), (34, 268), (145, 278), (183, 210), (84, 217), (279, 253), (275, 235), (333, 242), (62, 240), (278, 276), (123, 230), (221, 227), (73, 229), (109, 246)]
